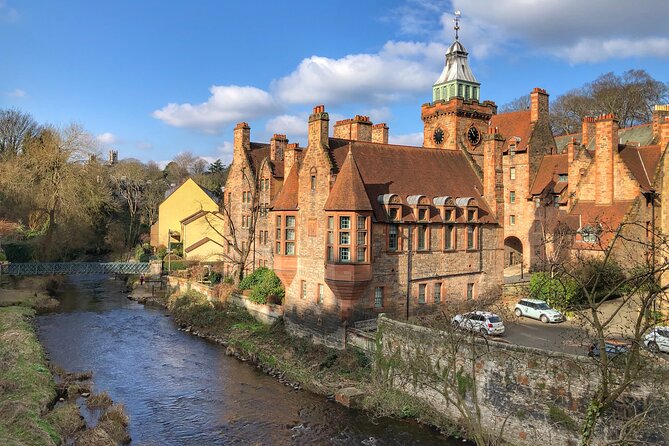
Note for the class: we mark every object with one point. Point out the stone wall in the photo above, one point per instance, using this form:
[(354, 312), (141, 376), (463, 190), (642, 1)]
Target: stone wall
[(529, 395), (265, 313)]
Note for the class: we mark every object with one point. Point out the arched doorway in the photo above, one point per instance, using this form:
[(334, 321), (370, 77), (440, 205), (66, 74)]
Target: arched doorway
[(513, 251)]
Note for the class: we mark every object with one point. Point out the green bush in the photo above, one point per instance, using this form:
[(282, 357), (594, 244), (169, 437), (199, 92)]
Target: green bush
[(143, 253), (262, 283), (161, 251), (3, 257), (602, 280), (560, 293), (215, 277), (19, 252)]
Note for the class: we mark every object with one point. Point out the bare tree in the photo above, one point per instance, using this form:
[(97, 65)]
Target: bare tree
[(618, 292), (518, 104), (15, 128)]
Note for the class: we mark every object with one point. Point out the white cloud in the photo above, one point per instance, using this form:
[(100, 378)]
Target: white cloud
[(7, 13), (399, 69), (410, 139), (569, 29), (107, 138), (227, 104), (18, 93), (290, 125)]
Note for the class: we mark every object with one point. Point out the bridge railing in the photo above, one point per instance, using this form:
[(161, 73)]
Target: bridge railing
[(73, 268)]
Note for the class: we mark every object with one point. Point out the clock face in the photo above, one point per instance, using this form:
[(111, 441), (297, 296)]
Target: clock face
[(473, 135), (438, 136)]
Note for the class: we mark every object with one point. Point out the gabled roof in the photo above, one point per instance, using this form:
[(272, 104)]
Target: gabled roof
[(286, 200), (406, 170), (642, 163), (608, 217), (193, 217), (348, 192), (200, 243), (209, 193), (547, 175), (260, 151), (513, 124)]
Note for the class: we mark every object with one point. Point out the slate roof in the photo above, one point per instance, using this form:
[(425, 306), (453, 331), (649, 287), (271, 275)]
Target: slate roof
[(642, 163), (513, 124)]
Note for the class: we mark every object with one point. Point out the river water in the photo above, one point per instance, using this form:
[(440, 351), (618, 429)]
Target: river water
[(181, 390)]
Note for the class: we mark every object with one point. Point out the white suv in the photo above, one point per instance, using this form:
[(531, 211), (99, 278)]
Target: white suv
[(657, 340), (480, 321), (538, 309)]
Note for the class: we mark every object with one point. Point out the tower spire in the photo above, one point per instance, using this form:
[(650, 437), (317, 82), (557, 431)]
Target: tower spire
[(457, 24)]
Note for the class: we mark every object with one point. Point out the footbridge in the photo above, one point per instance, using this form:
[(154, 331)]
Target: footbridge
[(73, 268)]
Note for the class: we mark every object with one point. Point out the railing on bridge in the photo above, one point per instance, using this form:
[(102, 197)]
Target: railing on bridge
[(72, 268)]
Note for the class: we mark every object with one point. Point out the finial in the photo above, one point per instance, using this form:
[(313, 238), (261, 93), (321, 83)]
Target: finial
[(457, 23)]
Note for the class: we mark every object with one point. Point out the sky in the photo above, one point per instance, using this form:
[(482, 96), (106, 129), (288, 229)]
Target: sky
[(154, 78)]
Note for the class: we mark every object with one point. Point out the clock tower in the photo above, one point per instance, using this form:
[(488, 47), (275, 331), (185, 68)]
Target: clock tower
[(455, 119)]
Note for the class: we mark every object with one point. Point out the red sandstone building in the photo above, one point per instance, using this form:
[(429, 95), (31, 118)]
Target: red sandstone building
[(355, 226)]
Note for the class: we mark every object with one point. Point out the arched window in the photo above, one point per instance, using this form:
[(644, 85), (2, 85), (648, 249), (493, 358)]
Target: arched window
[(312, 173)]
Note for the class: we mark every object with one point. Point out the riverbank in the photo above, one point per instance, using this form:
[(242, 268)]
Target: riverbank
[(40, 403), (295, 362)]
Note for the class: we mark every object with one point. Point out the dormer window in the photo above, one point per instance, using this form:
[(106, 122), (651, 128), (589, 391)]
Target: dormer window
[(422, 214), (563, 177), (590, 234), (394, 213), (471, 215), (449, 214)]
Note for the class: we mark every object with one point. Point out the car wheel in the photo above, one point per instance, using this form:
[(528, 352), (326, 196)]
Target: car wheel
[(544, 318), (653, 347), (518, 312), (484, 332)]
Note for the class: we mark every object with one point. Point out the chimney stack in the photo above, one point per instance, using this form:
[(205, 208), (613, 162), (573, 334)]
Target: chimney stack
[(380, 133), (357, 129), (493, 176), (242, 140), (661, 125), (538, 105), (606, 146), (289, 158), (573, 168), (277, 145), (319, 128), (587, 130)]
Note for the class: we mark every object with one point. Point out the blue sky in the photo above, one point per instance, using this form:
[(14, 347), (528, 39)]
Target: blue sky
[(155, 78)]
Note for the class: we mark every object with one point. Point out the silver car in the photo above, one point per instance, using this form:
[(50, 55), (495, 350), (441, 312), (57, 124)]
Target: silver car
[(538, 309), (482, 322), (657, 340)]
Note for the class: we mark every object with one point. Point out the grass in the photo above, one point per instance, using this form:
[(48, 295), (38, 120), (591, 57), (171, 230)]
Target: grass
[(315, 367), (27, 387), (66, 419), (100, 400)]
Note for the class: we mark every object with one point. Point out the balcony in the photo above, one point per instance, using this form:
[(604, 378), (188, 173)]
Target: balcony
[(348, 280), (285, 267)]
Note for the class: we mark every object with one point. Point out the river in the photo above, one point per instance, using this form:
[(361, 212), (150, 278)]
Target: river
[(181, 390)]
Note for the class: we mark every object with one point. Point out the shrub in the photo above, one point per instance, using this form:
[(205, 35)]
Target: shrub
[(561, 293), (3, 257), (215, 277), (161, 251), (262, 283), (19, 252)]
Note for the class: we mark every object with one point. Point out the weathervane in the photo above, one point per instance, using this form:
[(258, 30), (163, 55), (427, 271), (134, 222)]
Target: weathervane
[(457, 23)]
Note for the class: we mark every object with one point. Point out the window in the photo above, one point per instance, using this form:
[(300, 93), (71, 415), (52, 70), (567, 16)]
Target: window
[(422, 237), (290, 227), (437, 292), (422, 214), (331, 223), (471, 237), (512, 196), (471, 215), (421, 293), (470, 291), (512, 173), (589, 234), (512, 220), (278, 247), (393, 238), (304, 289), (378, 297), (448, 215), (362, 222), (313, 183), (321, 293), (290, 248), (394, 214), (331, 253), (344, 254), (344, 238), (344, 222), (563, 177), (556, 201), (448, 237)]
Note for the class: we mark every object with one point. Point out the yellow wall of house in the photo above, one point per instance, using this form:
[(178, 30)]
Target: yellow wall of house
[(185, 201), (208, 226)]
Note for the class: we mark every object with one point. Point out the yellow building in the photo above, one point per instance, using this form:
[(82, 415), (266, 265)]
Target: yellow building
[(202, 235), (183, 211)]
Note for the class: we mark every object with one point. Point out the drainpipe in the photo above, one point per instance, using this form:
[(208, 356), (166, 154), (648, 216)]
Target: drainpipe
[(409, 258)]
